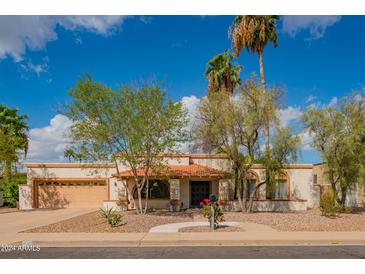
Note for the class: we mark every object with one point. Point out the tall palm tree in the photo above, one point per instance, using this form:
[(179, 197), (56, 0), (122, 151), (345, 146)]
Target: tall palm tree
[(222, 74), (15, 129), (253, 33)]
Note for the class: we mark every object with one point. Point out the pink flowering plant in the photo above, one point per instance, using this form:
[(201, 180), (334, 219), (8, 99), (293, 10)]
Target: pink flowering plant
[(207, 210)]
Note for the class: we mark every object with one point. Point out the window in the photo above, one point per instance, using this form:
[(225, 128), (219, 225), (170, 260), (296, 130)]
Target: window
[(157, 190), (251, 187), (315, 179), (280, 190)]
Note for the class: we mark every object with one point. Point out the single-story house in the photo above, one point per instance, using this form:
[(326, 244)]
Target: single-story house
[(188, 178)]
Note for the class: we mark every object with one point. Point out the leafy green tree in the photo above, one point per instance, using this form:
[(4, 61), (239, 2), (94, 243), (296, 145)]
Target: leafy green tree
[(253, 32), (339, 135), (13, 139), (131, 125), (222, 74), (234, 126)]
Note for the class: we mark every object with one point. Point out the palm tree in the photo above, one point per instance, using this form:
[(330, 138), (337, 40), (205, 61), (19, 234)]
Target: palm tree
[(69, 154), (253, 33), (14, 128), (222, 74)]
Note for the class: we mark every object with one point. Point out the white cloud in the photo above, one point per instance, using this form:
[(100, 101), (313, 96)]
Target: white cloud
[(48, 143), (288, 114), (306, 140), (103, 25), (333, 102), (310, 99), (35, 68), (21, 33), (316, 25), (191, 104)]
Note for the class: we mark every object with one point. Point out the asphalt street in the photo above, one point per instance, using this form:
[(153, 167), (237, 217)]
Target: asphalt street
[(196, 252)]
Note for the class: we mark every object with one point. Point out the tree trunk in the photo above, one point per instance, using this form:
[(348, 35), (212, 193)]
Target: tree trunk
[(266, 114), (249, 209), (343, 197), (243, 181), (129, 194), (238, 186), (7, 171), (334, 187), (139, 207), (147, 195)]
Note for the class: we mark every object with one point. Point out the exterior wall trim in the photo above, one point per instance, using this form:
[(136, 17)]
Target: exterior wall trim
[(68, 165), (69, 179)]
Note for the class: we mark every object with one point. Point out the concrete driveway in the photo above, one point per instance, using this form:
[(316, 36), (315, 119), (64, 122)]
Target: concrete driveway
[(12, 223)]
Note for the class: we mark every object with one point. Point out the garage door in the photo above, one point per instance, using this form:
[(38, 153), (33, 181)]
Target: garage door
[(71, 194)]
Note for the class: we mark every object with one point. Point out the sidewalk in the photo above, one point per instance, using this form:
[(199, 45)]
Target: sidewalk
[(186, 239)]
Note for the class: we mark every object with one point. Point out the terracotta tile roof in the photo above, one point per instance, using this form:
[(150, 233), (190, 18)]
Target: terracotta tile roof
[(191, 155), (178, 171)]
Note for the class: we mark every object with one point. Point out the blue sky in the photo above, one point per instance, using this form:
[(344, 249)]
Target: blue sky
[(319, 58)]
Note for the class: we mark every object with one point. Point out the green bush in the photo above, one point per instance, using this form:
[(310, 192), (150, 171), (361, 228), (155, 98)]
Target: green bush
[(11, 190), (328, 205), (113, 217)]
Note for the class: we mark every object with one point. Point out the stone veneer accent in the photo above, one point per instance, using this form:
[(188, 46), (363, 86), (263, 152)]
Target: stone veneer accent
[(224, 189), (174, 189)]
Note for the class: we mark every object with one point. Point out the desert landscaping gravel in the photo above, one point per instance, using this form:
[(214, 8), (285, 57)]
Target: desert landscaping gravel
[(131, 222), (310, 220)]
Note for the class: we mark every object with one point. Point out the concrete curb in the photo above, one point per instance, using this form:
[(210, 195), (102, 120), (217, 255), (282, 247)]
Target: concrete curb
[(189, 239)]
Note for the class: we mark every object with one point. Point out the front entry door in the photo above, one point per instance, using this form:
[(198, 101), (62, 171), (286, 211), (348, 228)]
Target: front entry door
[(199, 191)]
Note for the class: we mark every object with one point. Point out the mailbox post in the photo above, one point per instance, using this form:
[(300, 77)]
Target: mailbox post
[(213, 200)]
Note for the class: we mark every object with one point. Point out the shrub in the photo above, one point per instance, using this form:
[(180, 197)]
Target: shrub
[(218, 213), (106, 212), (113, 217), (328, 205), (11, 190)]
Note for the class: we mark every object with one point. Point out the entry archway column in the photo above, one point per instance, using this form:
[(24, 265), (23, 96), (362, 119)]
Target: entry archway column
[(174, 189), (224, 189)]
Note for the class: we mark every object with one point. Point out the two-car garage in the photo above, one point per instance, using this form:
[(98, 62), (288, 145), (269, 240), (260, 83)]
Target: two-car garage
[(69, 193)]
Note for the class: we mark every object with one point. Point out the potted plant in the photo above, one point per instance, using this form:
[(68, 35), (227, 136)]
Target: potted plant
[(175, 205)]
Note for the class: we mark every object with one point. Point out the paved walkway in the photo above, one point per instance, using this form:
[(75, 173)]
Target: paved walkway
[(247, 227), (14, 222)]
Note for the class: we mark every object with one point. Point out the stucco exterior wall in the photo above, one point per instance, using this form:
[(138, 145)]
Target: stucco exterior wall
[(354, 196), (269, 206), (25, 197), (215, 188), (302, 191), (220, 164), (69, 172), (117, 189), (185, 192), (301, 181)]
